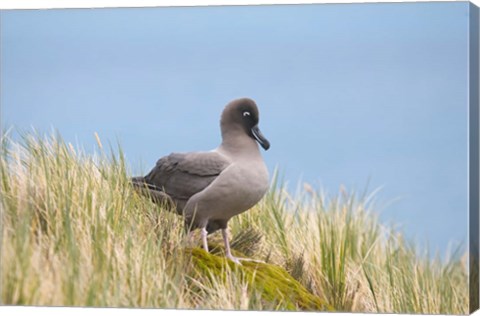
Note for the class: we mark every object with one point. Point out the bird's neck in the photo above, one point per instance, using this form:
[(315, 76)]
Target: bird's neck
[(237, 145)]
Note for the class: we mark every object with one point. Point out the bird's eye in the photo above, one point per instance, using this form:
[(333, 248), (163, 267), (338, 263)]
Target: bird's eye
[(246, 113)]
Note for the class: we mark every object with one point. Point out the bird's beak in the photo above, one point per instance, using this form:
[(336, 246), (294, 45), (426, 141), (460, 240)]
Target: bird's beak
[(260, 138)]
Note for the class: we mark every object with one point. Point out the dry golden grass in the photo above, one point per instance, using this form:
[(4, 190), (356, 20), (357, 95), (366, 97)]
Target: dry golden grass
[(74, 233)]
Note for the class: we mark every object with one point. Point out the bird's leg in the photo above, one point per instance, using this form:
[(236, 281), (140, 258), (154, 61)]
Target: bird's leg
[(228, 251), (227, 247), (204, 238)]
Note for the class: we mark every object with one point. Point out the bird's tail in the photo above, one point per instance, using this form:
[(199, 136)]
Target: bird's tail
[(155, 193), (138, 182)]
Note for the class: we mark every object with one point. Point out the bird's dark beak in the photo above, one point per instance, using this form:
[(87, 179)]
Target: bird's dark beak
[(260, 138)]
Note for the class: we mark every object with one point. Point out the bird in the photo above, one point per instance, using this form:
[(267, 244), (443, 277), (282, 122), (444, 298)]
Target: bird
[(210, 187)]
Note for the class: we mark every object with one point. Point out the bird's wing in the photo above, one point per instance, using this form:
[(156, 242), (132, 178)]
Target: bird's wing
[(182, 175)]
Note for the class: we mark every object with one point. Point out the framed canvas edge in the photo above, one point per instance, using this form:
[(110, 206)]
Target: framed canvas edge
[(474, 157)]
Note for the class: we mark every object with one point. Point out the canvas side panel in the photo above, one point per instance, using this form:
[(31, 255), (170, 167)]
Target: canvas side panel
[(474, 157)]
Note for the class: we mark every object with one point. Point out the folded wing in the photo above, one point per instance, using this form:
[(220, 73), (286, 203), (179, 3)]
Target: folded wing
[(181, 175)]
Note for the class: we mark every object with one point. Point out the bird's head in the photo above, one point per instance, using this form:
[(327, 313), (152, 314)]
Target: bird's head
[(241, 117)]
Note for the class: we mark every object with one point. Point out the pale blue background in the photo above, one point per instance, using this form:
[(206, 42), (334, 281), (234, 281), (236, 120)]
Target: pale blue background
[(348, 94)]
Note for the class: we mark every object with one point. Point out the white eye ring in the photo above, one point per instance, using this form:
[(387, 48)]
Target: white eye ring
[(246, 113)]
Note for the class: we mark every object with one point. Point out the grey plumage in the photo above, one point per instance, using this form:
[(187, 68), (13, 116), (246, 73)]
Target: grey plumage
[(181, 175), (209, 188)]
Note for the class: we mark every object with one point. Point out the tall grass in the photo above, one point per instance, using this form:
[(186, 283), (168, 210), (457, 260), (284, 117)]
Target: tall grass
[(74, 233)]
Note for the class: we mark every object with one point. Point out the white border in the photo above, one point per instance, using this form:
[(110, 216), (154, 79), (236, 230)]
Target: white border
[(53, 4), (50, 4)]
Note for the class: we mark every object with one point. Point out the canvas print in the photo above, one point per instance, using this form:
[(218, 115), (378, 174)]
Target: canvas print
[(319, 157)]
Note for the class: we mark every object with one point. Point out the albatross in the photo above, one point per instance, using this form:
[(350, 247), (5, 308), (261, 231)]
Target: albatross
[(210, 187)]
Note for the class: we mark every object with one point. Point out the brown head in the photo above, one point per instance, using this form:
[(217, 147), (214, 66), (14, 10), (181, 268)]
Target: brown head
[(239, 119)]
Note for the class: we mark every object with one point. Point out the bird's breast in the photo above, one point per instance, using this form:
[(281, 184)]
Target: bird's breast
[(249, 183), (239, 187)]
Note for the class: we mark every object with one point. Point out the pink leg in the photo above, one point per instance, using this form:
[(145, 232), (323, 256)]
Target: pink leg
[(227, 247), (204, 238)]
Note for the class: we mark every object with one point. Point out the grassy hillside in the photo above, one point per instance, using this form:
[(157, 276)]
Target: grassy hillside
[(74, 233)]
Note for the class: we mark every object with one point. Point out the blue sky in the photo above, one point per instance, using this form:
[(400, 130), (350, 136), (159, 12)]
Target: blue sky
[(348, 94)]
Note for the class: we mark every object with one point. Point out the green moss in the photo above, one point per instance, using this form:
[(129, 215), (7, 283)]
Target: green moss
[(275, 285)]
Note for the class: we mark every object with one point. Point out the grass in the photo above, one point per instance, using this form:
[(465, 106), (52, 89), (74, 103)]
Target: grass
[(75, 234)]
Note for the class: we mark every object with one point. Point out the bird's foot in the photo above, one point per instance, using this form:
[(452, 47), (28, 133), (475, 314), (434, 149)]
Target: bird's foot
[(234, 259), (251, 260), (238, 260), (228, 252)]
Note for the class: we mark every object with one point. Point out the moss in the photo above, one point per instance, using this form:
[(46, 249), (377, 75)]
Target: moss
[(275, 285)]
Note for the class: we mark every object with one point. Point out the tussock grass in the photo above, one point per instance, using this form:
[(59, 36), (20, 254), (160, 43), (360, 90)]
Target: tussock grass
[(74, 233)]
